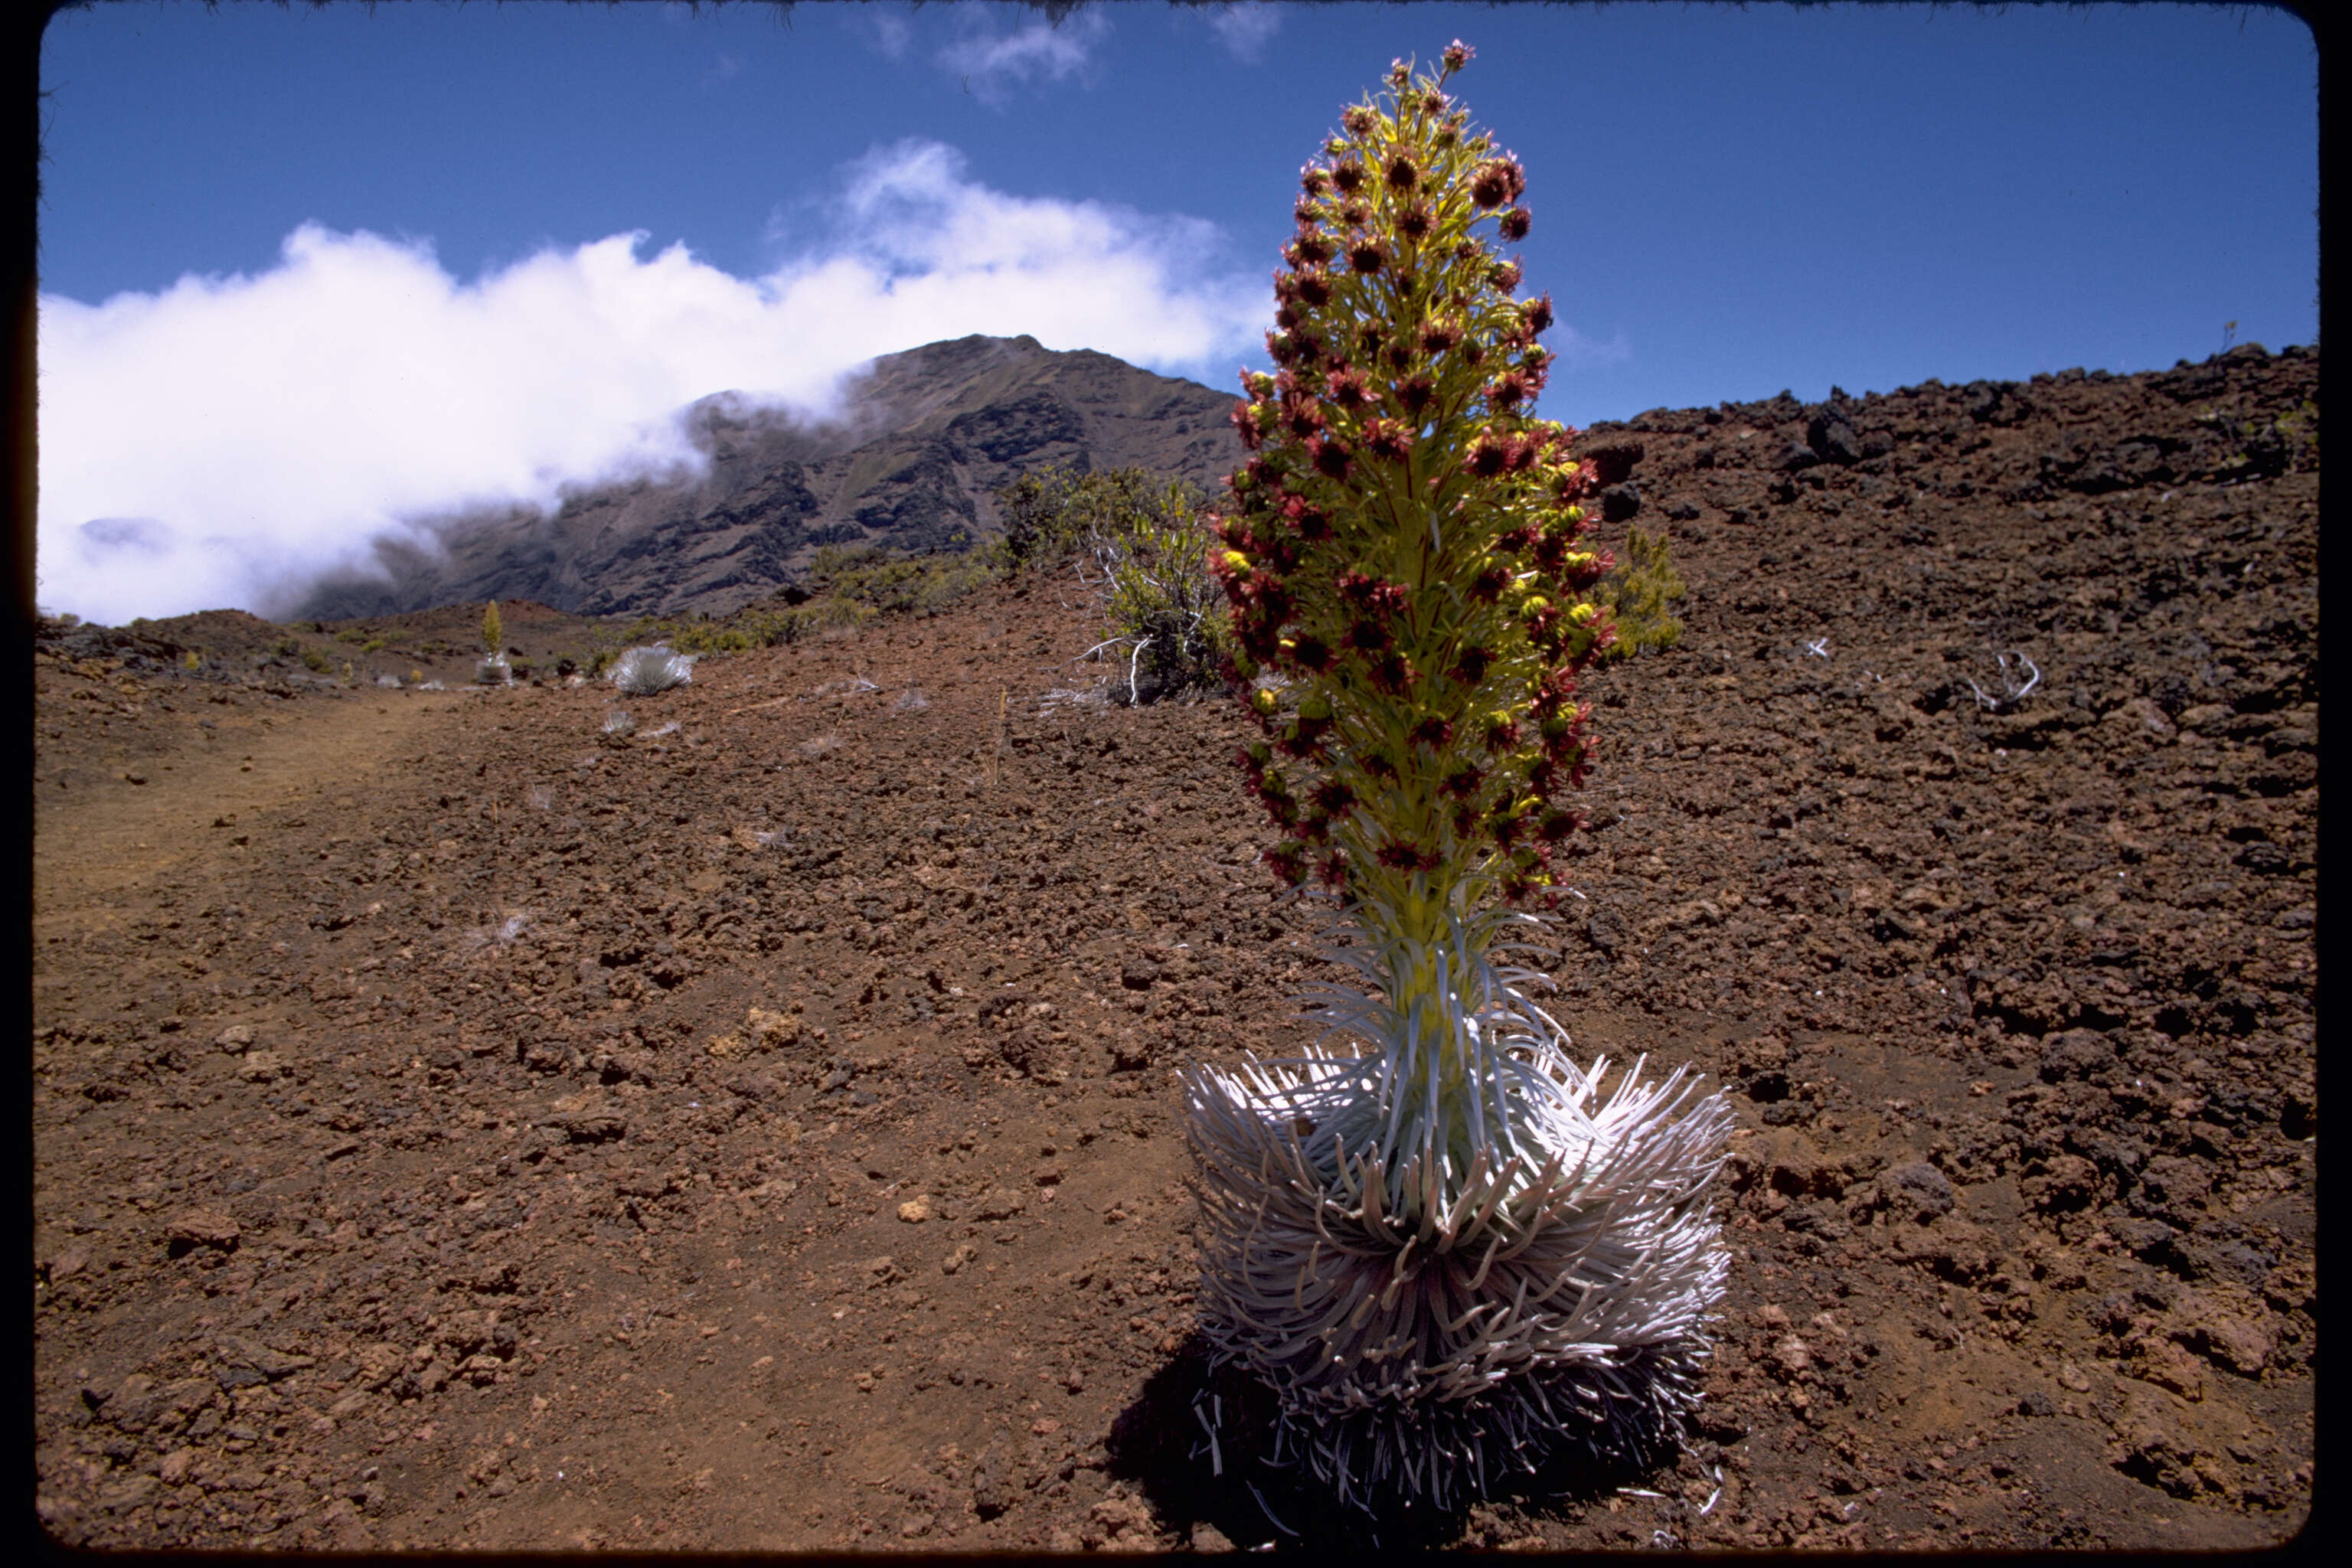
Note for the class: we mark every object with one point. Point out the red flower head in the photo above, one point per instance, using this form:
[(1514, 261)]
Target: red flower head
[(1355, 215), (1314, 288), (1537, 314), (1281, 347), (1349, 177), (1333, 798), (1394, 675), (1367, 256), (1472, 666), (1434, 104), (1556, 825), (1348, 387), (1334, 874), (1402, 175), (1457, 55), (1523, 454), (1489, 456), (1283, 860), (1509, 390), (1463, 781), (1379, 764), (1552, 549), (1515, 224), (1518, 541), (1304, 417), (1313, 180), (1433, 731), (1416, 394), (1312, 249), (1491, 186), (1366, 635), (1360, 120), (1502, 734), (1414, 223), (1505, 276), (1388, 440), (1312, 653), (1488, 584), (1330, 458), (1244, 420), (1399, 856), (1439, 336), (1306, 211)]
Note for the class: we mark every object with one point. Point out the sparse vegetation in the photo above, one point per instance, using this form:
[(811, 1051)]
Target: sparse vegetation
[(1637, 592), (315, 660), (494, 635)]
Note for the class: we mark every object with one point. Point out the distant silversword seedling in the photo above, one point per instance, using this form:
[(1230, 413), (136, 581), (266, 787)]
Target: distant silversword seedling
[(1443, 1243), (642, 671)]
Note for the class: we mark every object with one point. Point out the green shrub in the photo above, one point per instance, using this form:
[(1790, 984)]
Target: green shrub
[(373, 645), (1637, 592), (1150, 538), (315, 660)]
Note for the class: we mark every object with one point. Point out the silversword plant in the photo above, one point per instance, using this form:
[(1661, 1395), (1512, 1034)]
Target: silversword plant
[(643, 671), (1443, 1242)]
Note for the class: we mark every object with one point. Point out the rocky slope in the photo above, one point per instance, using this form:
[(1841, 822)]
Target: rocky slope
[(927, 438), (456, 1129)]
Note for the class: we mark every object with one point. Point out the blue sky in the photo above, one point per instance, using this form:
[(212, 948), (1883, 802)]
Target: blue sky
[(327, 271)]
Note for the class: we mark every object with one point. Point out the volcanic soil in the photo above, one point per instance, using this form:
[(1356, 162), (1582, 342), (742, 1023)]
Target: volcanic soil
[(453, 1128)]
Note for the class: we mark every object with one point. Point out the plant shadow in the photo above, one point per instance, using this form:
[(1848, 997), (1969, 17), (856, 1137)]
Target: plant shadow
[(1200, 1443)]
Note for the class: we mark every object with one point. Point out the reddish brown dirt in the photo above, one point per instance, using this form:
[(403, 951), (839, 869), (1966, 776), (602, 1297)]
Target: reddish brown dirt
[(413, 1169)]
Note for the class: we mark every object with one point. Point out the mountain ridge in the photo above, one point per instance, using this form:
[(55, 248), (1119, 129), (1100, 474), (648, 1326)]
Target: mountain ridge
[(926, 440)]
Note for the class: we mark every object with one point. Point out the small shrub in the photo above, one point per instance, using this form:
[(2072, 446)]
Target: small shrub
[(618, 724), (493, 630), (642, 671), (714, 636), (373, 645), (315, 660), (1165, 608), (286, 648), (193, 659), (1636, 592)]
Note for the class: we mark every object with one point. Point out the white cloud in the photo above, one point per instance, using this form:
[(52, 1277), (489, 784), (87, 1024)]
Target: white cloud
[(992, 61), (1577, 352), (229, 435), (1245, 29)]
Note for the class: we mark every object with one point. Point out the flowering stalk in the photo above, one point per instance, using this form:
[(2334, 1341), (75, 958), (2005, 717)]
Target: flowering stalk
[(1410, 593)]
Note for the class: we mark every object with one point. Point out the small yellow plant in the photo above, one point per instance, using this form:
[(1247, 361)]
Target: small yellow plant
[(494, 635), (1637, 592), (193, 659)]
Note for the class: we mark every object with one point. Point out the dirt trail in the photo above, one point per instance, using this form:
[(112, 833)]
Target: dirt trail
[(184, 818)]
